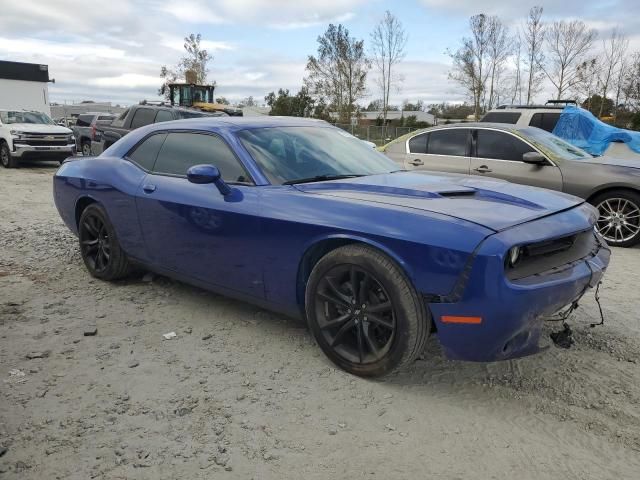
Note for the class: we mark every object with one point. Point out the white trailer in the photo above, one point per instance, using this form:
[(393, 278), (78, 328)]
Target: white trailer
[(24, 86)]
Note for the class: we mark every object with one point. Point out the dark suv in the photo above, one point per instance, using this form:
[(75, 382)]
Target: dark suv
[(138, 116)]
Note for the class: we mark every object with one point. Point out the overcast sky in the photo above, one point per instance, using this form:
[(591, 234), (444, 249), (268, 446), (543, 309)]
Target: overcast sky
[(112, 50)]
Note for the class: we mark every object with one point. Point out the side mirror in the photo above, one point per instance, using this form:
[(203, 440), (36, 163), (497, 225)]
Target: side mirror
[(201, 174), (534, 158)]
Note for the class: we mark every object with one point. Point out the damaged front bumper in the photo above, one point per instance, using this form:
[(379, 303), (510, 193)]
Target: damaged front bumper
[(508, 312)]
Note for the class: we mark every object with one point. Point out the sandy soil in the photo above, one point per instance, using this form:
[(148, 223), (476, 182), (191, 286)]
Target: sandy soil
[(243, 393)]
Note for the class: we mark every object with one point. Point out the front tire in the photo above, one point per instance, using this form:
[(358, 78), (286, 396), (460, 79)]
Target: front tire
[(619, 217), (99, 245), (6, 159), (364, 313)]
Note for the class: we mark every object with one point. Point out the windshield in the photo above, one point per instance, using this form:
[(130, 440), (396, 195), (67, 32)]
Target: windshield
[(553, 146), (287, 154), (9, 117)]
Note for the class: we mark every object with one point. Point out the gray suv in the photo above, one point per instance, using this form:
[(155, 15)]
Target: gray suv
[(531, 156)]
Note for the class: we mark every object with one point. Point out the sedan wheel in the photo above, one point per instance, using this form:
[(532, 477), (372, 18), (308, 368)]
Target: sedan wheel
[(619, 218), (364, 313)]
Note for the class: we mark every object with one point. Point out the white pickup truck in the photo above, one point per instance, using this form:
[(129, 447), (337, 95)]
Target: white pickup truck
[(32, 135)]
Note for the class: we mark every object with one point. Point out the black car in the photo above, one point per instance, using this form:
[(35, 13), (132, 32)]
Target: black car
[(138, 116)]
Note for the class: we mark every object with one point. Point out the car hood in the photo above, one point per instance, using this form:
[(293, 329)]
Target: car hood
[(38, 128), (612, 161), (494, 204)]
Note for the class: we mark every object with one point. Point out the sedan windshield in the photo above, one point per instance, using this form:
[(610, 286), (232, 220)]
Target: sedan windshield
[(9, 117), (305, 154), (553, 146)]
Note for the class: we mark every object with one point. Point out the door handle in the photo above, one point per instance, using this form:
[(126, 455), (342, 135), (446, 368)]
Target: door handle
[(416, 162), (483, 169), (149, 188)]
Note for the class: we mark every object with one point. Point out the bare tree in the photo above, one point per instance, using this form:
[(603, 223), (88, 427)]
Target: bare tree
[(469, 67), (388, 42), (631, 85), (498, 51), (534, 32), (516, 92), (339, 72), (195, 60), (614, 50), (586, 82), (568, 42)]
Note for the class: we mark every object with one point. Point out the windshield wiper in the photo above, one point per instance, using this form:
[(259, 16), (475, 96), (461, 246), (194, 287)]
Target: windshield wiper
[(320, 178)]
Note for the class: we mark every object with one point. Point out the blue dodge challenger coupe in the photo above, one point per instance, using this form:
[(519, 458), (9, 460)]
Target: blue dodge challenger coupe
[(302, 218)]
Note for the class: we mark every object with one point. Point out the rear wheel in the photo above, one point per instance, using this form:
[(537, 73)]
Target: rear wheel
[(364, 313), (99, 245), (619, 217), (6, 159), (86, 148)]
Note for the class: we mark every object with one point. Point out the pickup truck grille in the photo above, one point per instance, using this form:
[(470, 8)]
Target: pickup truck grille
[(43, 139)]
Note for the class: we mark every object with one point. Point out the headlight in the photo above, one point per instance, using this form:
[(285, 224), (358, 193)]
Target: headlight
[(513, 256), (16, 133)]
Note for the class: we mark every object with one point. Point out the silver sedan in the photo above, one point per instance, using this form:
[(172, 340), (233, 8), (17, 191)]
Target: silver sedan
[(531, 156)]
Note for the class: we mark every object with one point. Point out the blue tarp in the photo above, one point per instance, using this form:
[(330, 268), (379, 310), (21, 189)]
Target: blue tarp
[(582, 129)]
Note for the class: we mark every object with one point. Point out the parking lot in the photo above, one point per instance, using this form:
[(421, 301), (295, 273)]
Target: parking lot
[(243, 393)]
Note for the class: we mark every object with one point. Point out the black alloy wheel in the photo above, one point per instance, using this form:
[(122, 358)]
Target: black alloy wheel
[(94, 243), (355, 314), (364, 312), (99, 245)]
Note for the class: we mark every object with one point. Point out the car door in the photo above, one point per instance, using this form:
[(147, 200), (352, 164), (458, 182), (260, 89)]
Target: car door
[(193, 229), (445, 150), (499, 154)]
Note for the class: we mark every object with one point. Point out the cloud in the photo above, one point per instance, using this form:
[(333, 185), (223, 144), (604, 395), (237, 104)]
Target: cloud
[(278, 14)]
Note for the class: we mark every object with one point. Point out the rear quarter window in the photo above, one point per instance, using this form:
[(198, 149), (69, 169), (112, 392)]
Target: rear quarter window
[(145, 153), (502, 117), (142, 117), (546, 121)]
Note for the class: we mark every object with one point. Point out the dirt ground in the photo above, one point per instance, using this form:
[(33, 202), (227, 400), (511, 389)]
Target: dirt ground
[(243, 393)]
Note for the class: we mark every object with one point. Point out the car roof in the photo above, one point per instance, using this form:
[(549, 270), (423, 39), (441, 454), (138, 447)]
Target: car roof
[(497, 126), (241, 123)]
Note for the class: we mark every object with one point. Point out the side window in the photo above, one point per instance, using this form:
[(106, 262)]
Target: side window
[(145, 153), (549, 121), (142, 117), (119, 122), (536, 120), (163, 116), (449, 142), (501, 117), (546, 121), (492, 144), (84, 120), (418, 144), (183, 150)]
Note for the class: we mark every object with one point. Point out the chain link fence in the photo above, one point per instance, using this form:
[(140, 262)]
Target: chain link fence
[(380, 135)]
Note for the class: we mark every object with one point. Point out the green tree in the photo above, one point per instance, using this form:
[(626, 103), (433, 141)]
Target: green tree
[(596, 105), (339, 72), (284, 104)]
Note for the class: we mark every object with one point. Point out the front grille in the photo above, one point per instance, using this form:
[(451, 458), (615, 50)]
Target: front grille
[(41, 142), (554, 255)]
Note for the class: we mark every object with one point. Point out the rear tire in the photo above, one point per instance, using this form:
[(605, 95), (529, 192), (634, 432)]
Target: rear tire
[(6, 159), (377, 327), (619, 217), (85, 147), (99, 245)]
